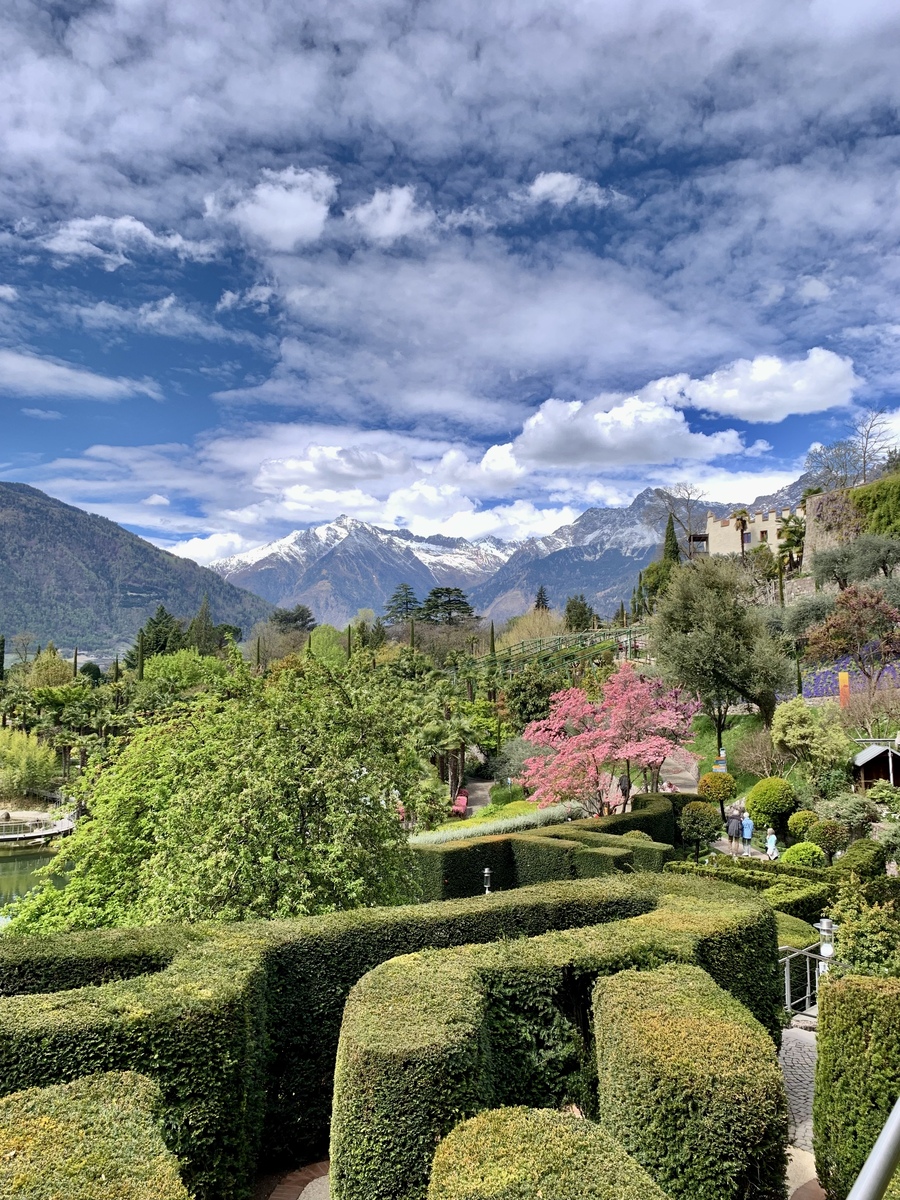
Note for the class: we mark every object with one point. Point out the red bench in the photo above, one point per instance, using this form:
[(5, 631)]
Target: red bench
[(460, 804)]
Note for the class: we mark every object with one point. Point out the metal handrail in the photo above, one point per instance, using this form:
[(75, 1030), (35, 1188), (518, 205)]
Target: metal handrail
[(878, 1169)]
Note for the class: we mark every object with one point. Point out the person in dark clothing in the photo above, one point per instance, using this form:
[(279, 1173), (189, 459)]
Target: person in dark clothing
[(735, 832)]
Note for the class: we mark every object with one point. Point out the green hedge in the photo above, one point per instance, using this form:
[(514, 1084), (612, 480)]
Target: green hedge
[(241, 1028), (432, 1038), (865, 857), (94, 1139), (794, 895), (647, 856), (689, 1082), (534, 1154), (454, 869), (857, 1074), (590, 862), (747, 879)]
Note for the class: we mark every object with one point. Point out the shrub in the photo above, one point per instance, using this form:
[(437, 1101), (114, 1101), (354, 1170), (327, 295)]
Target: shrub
[(675, 1064), (502, 794), (857, 812), (645, 854), (808, 903), (94, 1139), (831, 836), (25, 762), (636, 835), (532, 1153), (532, 818), (865, 858), (717, 788), (800, 823), (498, 1024), (700, 822), (804, 854), (886, 794), (771, 801), (857, 1070), (229, 1018), (868, 934)]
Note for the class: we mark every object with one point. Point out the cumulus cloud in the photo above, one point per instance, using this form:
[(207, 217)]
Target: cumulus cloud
[(560, 188), (769, 388), (29, 375), (113, 241), (391, 215), (285, 210)]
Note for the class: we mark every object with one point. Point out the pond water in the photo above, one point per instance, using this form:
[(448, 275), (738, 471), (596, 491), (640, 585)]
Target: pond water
[(17, 868)]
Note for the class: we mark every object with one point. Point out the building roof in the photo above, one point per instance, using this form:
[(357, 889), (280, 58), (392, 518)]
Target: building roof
[(871, 752)]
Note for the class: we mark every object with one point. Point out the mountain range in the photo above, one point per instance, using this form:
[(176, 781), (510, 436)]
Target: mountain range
[(345, 565), (77, 579)]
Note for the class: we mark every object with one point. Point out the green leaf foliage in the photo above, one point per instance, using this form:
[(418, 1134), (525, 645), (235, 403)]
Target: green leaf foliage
[(804, 854), (96, 1138), (717, 787), (771, 801), (800, 823), (530, 1154), (689, 1082), (280, 800)]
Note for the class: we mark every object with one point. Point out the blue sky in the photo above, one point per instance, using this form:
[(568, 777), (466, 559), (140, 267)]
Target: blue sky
[(467, 268)]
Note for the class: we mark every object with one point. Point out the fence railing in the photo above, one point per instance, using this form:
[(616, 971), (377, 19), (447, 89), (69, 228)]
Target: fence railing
[(879, 1168), (802, 970)]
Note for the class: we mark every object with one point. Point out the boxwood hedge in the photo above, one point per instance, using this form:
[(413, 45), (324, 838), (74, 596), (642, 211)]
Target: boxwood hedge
[(454, 869), (94, 1139), (431, 1038), (689, 1082), (535, 1154), (795, 895), (857, 1074), (239, 1024)]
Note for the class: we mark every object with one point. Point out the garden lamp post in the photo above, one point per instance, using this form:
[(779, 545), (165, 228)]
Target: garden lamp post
[(826, 930), (487, 881)]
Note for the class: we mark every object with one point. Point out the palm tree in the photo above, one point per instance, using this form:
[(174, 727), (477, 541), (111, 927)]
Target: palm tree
[(741, 520), (791, 535)]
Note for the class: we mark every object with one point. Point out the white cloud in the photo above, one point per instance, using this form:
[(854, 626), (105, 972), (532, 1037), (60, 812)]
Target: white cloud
[(42, 414), (258, 297), (814, 290), (155, 500), (287, 209), (167, 317), (115, 240), (391, 214), (614, 432), (768, 388), (29, 375), (560, 188), (208, 549), (8, 293)]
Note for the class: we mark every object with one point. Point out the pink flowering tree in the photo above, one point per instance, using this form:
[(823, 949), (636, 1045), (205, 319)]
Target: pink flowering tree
[(637, 725)]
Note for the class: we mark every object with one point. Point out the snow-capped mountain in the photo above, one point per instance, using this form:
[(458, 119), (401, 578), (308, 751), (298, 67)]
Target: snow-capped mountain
[(347, 564)]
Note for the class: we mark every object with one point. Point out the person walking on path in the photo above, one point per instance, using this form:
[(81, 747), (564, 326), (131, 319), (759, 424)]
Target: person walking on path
[(734, 832), (771, 844), (747, 832)]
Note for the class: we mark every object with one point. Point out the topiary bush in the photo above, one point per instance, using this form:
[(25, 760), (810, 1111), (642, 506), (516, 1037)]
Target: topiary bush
[(534, 1154), (865, 858), (636, 835), (97, 1138), (800, 823), (717, 788), (700, 823), (857, 1074), (771, 802), (677, 1058), (804, 854), (831, 836)]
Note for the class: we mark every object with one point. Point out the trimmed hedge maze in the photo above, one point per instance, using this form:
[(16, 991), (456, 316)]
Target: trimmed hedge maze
[(574, 850), (432, 1038), (95, 1139), (238, 1025)]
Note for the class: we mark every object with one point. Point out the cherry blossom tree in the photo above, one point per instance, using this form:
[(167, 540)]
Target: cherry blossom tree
[(637, 725)]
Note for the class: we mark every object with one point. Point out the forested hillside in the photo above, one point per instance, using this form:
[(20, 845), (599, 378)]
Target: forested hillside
[(80, 579)]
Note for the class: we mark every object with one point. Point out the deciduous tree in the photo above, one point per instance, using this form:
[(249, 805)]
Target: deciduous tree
[(864, 628)]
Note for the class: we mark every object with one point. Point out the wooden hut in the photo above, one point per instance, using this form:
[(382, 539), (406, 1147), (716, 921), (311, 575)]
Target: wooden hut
[(874, 763)]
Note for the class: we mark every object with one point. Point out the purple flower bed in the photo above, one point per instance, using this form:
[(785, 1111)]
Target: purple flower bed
[(818, 684)]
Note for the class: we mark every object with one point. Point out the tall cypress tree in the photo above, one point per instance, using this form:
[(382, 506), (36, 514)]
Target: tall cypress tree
[(75, 664), (671, 552), (140, 654), (2, 657)]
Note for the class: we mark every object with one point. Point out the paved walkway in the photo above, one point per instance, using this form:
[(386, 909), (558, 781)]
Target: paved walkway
[(798, 1061)]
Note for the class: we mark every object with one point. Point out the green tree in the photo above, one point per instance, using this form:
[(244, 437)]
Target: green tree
[(540, 600), (741, 520), (201, 633), (272, 797), (163, 634), (447, 606), (527, 694), (578, 614), (402, 606), (700, 823), (671, 552), (298, 619), (709, 637), (791, 538)]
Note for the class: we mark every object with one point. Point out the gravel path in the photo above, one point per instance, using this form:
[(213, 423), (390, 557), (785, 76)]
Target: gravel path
[(798, 1061)]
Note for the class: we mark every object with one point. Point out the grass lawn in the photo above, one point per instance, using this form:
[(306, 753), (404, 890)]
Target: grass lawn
[(704, 744), (492, 813)]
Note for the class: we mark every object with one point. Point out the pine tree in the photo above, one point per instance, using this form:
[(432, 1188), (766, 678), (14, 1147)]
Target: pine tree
[(402, 606), (540, 600), (140, 654), (201, 633), (75, 664), (579, 614), (290, 619), (671, 552), (446, 606)]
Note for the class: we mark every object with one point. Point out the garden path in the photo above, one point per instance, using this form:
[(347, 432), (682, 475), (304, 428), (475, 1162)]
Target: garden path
[(798, 1062)]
